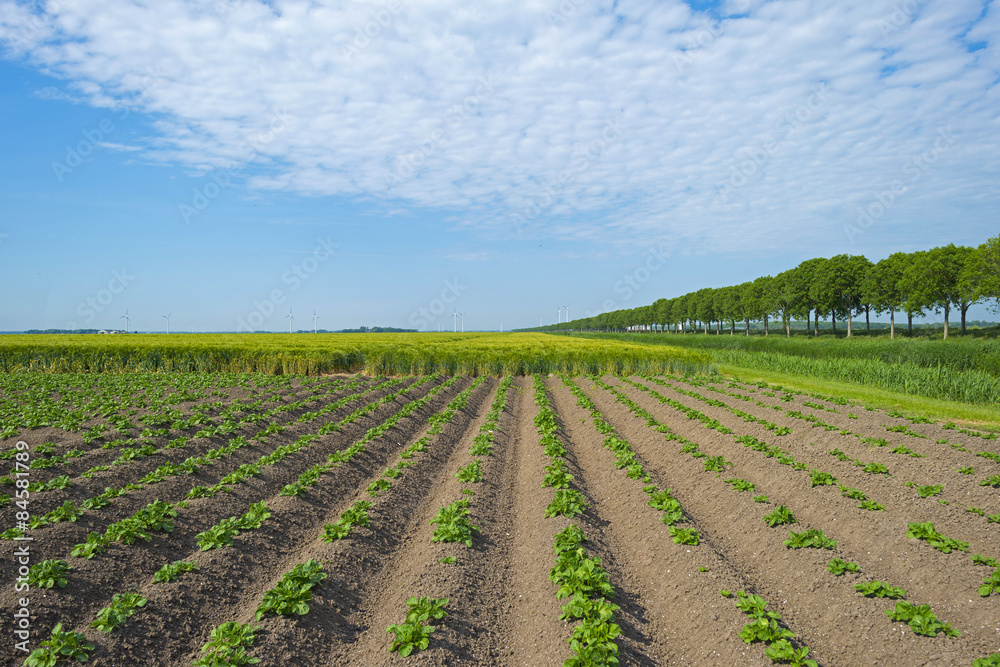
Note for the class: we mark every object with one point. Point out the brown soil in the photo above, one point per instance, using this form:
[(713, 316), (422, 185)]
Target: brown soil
[(502, 608)]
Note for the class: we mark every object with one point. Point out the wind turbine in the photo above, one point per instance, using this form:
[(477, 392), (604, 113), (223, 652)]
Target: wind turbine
[(454, 316), (567, 312), (559, 315), (315, 317), (290, 318), (167, 317), (126, 320), (539, 320), (462, 315)]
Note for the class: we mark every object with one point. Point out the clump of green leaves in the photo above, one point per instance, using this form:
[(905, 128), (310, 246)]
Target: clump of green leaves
[(990, 584), (60, 646), (872, 506), (820, 478), (839, 566), (925, 531), (666, 503), (993, 481), (222, 534), (172, 571), (123, 605), (684, 535), (979, 559), (760, 499), (470, 473), (414, 634), (741, 484), (48, 573), (854, 494), (921, 620), (780, 516), (356, 515), (568, 503), (453, 524), (556, 475), (968, 470), (812, 538), (227, 646), (292, 594), (929, 490), (879, 589)]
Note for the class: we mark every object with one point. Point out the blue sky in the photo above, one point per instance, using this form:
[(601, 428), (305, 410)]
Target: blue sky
[(393, 161)]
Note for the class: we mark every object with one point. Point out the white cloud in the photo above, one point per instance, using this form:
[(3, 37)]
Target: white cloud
[(484, 107)]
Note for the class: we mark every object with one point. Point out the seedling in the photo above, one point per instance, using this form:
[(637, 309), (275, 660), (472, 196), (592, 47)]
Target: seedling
[(716, 464), (741, 484), (854, 494), (921, 620), (293, 592), (760, 499), (839, 566), (123, 605), (60, 646), (783, 651), (979, 559), (928, 491), (780, 516), (925, 531), (684, 535), (879, 589), (725, 592), (227, 646), (470, 473), (453, 524), (48, 573), (568, 503), (871, 506), (172, 571), (811, 538), (819, 478), (448, 560), (993, 481), (990, 584), (968, 470)]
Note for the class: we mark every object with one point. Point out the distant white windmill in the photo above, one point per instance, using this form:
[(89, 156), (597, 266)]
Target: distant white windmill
[(315, 317), (454, 316), (462, 315), (290, 318), (559, 315), (567, 312), (167, 317), (126, 317), (539, 320)]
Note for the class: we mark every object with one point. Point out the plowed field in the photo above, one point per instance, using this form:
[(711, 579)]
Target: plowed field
[(310, 450)]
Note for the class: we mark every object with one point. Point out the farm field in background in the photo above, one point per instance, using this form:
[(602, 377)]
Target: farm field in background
[(312, 354), (653, 518)]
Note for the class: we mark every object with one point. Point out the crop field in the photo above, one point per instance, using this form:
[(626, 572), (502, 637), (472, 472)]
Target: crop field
[(547, 519)]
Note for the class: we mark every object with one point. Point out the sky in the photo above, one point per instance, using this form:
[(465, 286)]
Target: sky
[(393, 162)]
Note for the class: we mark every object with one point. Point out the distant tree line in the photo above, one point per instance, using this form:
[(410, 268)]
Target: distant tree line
[(949, 278)]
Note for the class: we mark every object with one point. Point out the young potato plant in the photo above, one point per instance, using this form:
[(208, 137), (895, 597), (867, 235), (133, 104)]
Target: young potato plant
[(765, 628), (49, 573), (666, 503), (819, 478), (568, 503), (356, 515), (172, 571), (688, 536), (812, 538), (925, 531), (453, 524), (921, 620), (990, 584), (780, 516), (980, 559), (879, 589), (227, 646), (292, 594), (839, 566), (993, 481), (60, 645), (123, 605), (472, 472), (414, 633), (741, 484), (556, 476)]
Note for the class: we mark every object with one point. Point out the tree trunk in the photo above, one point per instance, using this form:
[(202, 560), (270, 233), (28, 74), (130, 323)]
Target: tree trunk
[(788, 327), (892, 323), (868, 322), (833, 321), (815, 324), (909, 324), (850, 317), (765, 324), (946, 320), (748, 327), (732, 327), (964, 310)]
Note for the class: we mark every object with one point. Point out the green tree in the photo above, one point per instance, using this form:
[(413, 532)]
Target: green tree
[(989, 262), (883, 287), (933, 279), (838, 287)]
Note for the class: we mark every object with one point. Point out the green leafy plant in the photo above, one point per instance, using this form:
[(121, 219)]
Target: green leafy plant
[(979, 559), (921, 620), (172, 571), (470, 473), (760, 499), (453, 524), (568, 503), (123, 605), (968, 470), (448, 560), (292, 594), (854, 494), (780, 516), (839, 566), (872, 506), (60, 645), (811, 538), (925, 531), (684, 535), (227, 646), (741, 484), (879, 589), (414, 634), (356, 515), (930, 490), (993, 481), (783, 651), (93, 546), (820, 478), (990, 584), (48, 573), (992, 660)]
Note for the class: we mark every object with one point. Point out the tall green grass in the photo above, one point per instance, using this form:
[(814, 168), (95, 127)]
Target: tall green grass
[(965, 370), (313, 354)]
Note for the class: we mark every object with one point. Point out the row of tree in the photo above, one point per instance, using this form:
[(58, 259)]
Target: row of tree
[(839, 288)]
